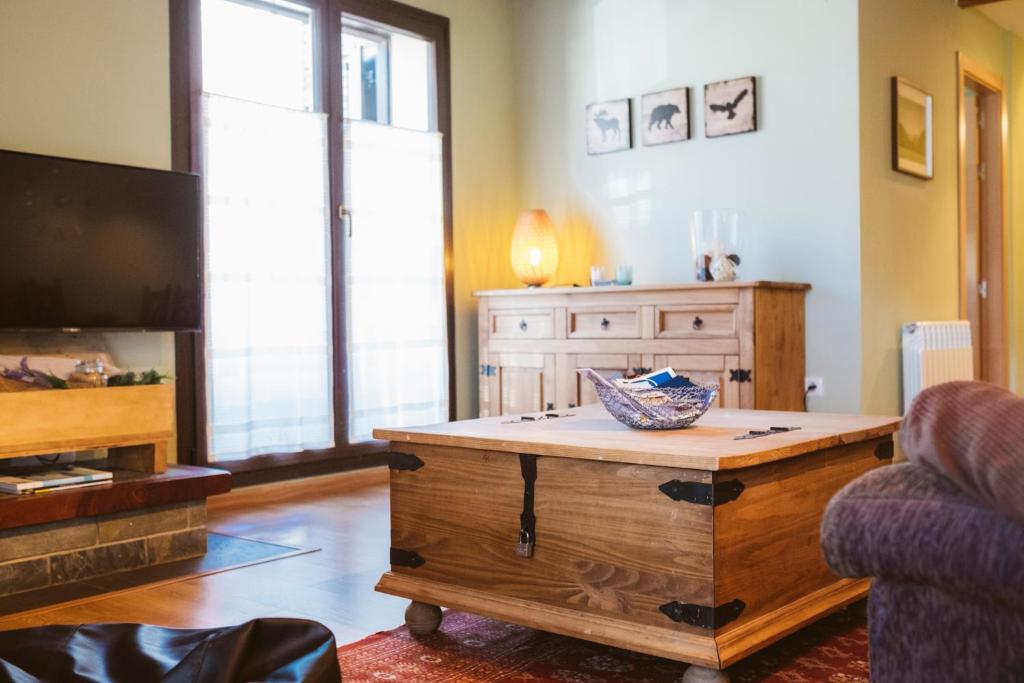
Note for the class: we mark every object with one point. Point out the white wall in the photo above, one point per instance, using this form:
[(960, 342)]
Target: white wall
[(797, 179)]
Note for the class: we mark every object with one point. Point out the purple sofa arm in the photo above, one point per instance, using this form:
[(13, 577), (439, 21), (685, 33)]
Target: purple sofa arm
[(973, 433), (909, 523)]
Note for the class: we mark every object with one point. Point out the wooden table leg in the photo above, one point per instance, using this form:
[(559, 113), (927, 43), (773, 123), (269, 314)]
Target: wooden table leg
[(422, 619)]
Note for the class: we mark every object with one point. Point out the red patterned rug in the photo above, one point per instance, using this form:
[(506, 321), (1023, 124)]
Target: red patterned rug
[(471, 649)]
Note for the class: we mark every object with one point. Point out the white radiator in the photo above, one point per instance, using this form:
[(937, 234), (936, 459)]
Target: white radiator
[(933, 353)]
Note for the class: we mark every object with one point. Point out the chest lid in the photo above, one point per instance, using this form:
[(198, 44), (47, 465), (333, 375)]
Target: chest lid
[(590, 433)]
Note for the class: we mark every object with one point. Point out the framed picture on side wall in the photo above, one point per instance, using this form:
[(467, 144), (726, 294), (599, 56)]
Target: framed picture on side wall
[(609, 126), (665, 116), (730, 107), (911, 130)]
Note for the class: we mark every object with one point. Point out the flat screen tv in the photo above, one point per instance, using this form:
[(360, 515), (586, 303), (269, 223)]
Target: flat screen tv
[(91, 246)]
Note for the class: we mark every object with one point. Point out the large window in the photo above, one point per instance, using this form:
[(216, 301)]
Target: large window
[(319, 128)]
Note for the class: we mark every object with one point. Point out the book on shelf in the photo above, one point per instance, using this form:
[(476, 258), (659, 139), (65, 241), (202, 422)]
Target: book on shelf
[(65, 476)]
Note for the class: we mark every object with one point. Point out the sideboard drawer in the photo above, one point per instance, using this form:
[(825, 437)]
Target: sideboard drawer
[(679, 322), (535, 323), (605, 322)]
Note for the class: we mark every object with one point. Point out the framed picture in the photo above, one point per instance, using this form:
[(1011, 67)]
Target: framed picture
[(730, 107), (665, 116), (609, 126), (911, 130)]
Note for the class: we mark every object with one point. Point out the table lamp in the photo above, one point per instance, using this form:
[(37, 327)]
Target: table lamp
[(534, 248)]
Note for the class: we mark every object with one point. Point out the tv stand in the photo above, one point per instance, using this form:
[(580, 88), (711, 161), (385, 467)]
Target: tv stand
[(149, 514)]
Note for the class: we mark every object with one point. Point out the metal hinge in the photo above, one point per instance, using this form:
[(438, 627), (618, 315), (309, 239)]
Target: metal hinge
[(982, 172), (406, 558), (700, 493), (702, 616), (404, 461), (739, 375)]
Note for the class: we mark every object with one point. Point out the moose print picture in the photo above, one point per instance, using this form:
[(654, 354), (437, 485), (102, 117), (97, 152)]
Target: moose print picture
[(609, 126), (730, 107), (665, 116)]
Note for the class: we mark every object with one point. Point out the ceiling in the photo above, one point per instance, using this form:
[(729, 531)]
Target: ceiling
[(1009, 14)]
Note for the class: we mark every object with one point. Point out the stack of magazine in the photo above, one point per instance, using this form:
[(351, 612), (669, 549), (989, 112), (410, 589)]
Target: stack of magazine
[(58, 478)]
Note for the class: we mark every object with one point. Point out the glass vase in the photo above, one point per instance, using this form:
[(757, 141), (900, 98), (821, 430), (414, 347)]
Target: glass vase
[(715, 236)]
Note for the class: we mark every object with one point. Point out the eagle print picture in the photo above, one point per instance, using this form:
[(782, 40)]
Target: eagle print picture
[(730, 107), (609, 126), (665, 116)]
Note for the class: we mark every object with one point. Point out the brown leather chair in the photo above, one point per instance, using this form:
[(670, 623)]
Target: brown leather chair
[(259, 650)]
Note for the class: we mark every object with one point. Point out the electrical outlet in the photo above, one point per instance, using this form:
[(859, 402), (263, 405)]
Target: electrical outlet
[(814, 386)]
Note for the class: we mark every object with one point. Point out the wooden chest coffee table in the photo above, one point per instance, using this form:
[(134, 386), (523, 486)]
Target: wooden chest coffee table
[(692, 545)]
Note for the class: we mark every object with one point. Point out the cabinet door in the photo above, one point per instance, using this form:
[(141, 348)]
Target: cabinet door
[(708, 370), (580, 391), (520, 383)]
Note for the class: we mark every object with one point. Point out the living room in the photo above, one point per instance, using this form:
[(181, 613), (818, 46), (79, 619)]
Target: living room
[(370, 216)]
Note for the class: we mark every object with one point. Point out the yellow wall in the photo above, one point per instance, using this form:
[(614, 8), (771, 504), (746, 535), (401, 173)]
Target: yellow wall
[(90, 80), (909, 230), (1015, 53)]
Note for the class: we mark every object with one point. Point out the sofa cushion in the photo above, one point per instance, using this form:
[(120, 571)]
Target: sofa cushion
[(973, 433), (909, 523)]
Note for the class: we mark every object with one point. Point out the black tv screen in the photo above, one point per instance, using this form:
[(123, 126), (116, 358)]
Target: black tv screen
[(86, 245)]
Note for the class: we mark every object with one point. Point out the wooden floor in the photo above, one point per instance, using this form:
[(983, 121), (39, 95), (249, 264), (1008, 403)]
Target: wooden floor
[(346, 515)]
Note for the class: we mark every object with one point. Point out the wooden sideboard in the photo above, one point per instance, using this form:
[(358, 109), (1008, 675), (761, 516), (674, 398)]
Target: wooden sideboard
[(748, 337)]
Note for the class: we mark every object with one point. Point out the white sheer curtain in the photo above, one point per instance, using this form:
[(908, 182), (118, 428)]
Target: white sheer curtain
[(395, 294), (268, 306)]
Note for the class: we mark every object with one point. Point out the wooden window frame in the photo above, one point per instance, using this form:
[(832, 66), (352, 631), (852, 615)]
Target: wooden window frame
[(186, 88)]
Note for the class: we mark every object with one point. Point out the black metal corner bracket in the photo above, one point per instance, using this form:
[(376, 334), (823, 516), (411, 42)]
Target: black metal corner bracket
[(404, 461), (885, 450), (702, 616), (406, 558), (700, 493)]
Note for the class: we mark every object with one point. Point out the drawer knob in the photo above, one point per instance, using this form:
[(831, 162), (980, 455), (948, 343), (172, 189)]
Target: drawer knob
[(550, 406), (523, 326), (572, 405), (605, 323), (698, 323)]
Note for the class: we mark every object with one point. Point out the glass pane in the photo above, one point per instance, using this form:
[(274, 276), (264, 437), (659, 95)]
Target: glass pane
[(269, 345), (364, 64), (412, 96), (387, 76), (259, 50), (396, 311), (268, 286), (395, 279)]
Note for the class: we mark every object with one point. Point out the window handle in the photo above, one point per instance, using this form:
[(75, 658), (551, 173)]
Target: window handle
[(346, 218)]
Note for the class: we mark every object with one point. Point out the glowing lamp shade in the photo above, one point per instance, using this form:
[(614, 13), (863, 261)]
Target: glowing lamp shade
[(534, 248)]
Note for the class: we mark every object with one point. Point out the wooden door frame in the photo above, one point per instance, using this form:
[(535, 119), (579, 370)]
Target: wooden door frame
[(972, 70), (185, 89)]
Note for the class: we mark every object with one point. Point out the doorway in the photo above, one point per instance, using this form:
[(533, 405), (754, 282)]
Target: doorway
[(983, 256)]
